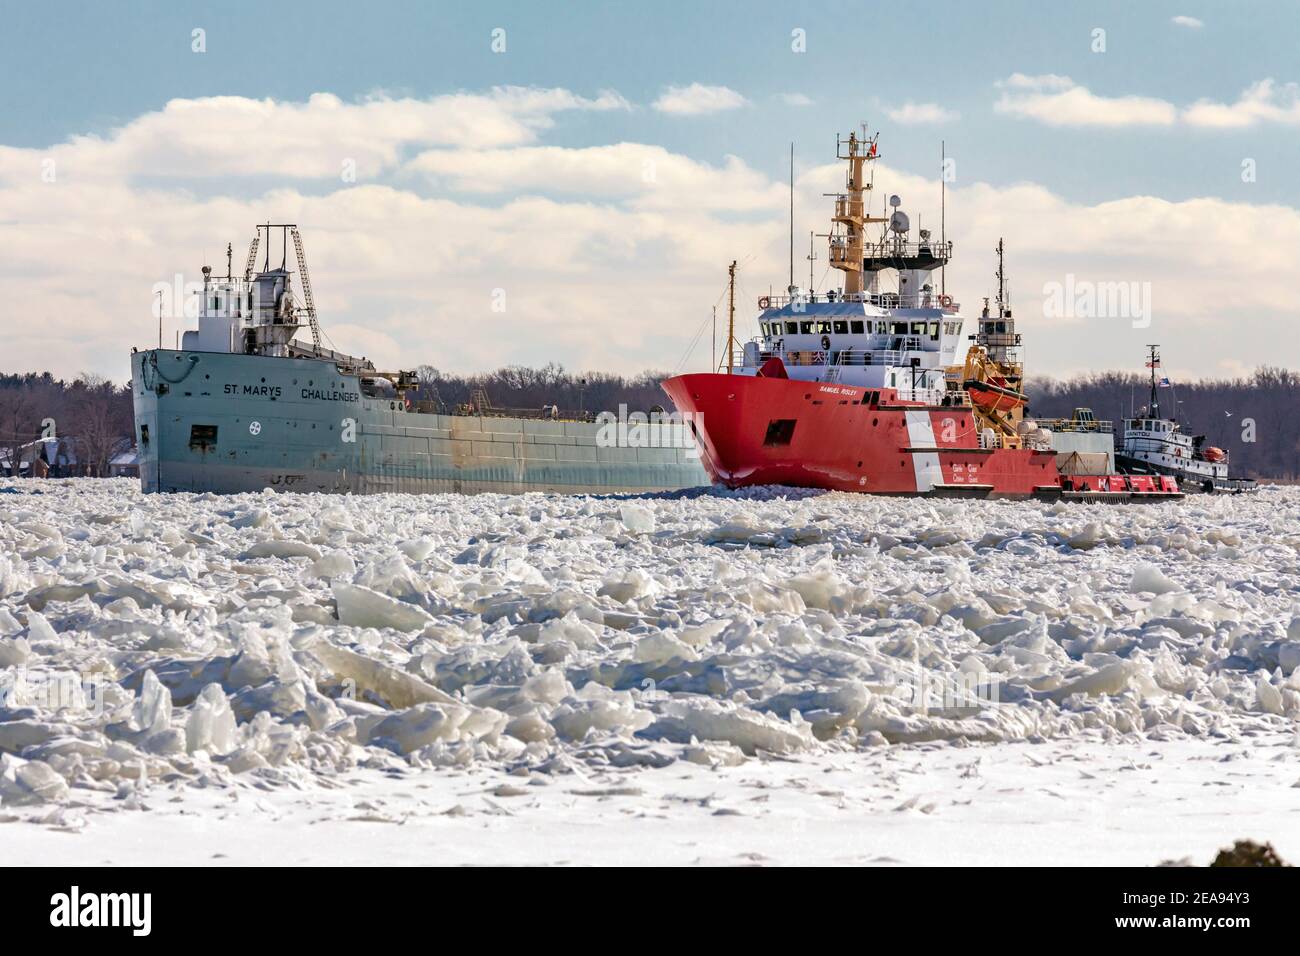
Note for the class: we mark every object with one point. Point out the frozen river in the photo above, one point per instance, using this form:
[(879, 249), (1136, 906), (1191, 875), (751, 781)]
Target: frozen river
[(775, 676)]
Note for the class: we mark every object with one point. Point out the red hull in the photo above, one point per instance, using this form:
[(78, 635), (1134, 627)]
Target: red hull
[(758, 430)]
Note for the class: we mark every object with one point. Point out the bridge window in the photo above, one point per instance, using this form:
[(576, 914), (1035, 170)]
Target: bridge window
[(900, 328), (791, 328), (918, 328), (841, 328), (805, 328), (823, 328), (934, 330), (856, 326)]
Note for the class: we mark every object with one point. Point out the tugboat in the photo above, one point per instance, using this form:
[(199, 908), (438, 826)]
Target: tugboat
[(1154, 445), (890, 390), (245, 405)]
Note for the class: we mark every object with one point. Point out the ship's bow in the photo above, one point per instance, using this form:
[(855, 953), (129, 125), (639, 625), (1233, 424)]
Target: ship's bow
[(147, 434), (731, 417)]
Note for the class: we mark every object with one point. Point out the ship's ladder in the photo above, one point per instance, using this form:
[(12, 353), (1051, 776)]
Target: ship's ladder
[(251, 262), (309, 303)]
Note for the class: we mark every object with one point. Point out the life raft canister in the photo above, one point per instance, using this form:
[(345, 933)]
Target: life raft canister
[(764, 302)]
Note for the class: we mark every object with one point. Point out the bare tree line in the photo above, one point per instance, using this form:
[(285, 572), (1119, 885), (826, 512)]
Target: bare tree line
[(1252, 418), (89, 415)]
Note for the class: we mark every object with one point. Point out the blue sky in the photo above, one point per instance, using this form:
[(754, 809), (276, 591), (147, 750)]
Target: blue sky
[(72, 70), (75, 68)]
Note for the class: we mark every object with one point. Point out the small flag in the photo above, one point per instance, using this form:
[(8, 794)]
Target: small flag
[(1165, 383), (1155, 364)]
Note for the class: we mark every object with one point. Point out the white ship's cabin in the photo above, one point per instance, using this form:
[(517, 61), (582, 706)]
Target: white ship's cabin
[(859, 342), (1163, 443), (900, 332)]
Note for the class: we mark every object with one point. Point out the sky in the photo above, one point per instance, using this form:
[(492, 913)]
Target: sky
[(521, 183)]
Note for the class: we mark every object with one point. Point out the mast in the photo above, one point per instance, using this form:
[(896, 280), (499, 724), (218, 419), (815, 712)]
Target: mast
[(846, 248), (1001, 276), (731, 316), (1153, 362)]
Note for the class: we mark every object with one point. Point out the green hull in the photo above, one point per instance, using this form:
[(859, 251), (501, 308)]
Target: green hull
[(228, 423)]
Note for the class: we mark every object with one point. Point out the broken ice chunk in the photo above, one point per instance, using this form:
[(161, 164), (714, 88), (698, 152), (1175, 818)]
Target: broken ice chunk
[(211, 726), (153, 709), (636, 519), (1147, 577), (360, 606)]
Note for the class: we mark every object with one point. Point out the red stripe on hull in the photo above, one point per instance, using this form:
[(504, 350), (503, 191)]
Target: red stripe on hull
[(756, 430)]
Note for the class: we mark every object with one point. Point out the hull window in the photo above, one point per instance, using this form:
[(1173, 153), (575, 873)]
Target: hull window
[(144, 434), (779, 432)]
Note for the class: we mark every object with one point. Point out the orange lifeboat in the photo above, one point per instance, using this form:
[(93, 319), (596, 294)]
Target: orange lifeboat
[(1215, 454), (993, 397)]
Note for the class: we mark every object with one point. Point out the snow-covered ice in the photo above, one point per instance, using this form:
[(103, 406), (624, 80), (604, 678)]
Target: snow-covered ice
[(774, 675)]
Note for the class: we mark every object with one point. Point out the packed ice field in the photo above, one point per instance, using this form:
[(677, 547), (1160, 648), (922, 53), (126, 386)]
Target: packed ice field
[(774, 675)]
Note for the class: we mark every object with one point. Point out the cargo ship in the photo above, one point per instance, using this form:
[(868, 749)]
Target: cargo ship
[(244, 405), (884, 386), (1158, 445)]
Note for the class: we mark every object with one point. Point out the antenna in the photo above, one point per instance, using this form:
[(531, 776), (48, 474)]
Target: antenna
[(731, 316), (812, 257), (791, 289), (1153, 363), (943, 229), (229, 253)]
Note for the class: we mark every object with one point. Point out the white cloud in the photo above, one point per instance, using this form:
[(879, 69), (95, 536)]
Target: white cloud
[(698, 99), (1190, 22), (236, 136), (796, 99), (648, 177), (601, 267), (911, 114), (1059, 101), (1262, 102)]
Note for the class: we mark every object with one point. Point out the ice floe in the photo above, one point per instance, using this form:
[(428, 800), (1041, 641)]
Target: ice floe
[(285, 640)]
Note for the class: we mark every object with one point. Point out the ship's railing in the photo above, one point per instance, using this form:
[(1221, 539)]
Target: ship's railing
[(883, 300), (999, 340), (1178, 450), (1075, 425), (840, 357), (890, 249), (547, 413), (928, 396)]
